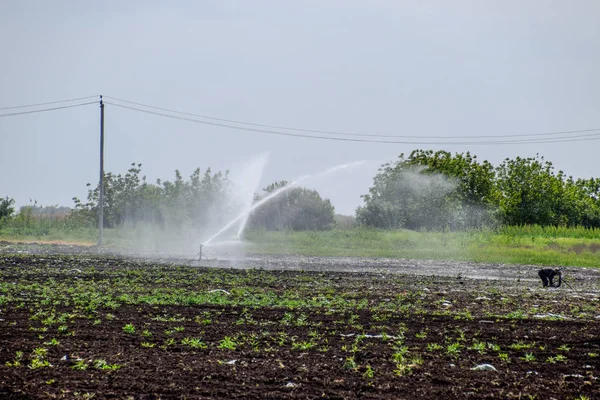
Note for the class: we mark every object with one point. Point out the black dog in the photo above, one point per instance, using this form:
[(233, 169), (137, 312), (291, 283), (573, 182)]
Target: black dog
[(547, 276)]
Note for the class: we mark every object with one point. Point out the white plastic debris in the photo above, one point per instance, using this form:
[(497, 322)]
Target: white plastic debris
[(549, 315), (577, 376), (369, 336), (484, 367), (532, 373), (219, 290)]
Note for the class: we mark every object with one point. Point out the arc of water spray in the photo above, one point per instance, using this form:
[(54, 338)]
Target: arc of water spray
[(263, 159), (255, 206), (275, 194)]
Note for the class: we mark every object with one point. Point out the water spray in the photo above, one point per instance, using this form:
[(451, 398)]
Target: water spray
[(255, 206), (244, 216)]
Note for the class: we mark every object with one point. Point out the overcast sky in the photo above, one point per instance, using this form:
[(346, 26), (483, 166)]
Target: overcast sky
[(415, 68)]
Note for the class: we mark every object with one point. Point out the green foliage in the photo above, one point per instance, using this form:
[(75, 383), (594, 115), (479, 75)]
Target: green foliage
[(437, 191), (38, 221), (294, 209), (6, 207), (131, 199), (432, 191), (531, 193), (205, 200)]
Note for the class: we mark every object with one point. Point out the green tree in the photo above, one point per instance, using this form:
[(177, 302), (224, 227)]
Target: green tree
[(589, 202), (530, 192), (6, 207), (130, 199), (475, 181), (438, 190), (430, 190), (294, 209)]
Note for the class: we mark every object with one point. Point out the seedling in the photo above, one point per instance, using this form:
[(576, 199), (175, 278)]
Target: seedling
[(520, 346), (169, 343), (398, 356), (350, 363), (493, 347), (453, 349), (39, 363), (528, 357), (480, 347), (421, 335), (17, 361), (518, 314), (40, 352), (227, 343), (102, 364), (194, 343), (80, 365), (305, 345), (434, 347), (556, 358)]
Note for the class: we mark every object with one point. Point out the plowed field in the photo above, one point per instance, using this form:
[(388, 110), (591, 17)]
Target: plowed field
[(101, 326)]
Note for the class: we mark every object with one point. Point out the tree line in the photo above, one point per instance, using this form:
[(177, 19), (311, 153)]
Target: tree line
[(439, 190), (425, 190), (204, 200)]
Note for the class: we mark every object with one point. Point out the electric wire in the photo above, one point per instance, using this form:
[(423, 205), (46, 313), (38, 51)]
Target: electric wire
[(551, 137), (583, 137), (48, 103), (349, 133), (46, 109)]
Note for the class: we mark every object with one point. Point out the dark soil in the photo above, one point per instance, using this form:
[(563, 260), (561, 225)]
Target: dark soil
[(308, 333)]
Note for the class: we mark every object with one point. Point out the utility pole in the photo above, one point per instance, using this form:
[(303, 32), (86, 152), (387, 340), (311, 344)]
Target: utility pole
[(101, 200)]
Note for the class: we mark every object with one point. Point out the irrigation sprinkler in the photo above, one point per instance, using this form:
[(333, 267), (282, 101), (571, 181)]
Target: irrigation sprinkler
[(200, 254)]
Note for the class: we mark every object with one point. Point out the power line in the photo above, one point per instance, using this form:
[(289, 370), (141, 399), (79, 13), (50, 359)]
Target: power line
[(48, 103), (348, 133), (558, 136), (46, 109), (583, 137)]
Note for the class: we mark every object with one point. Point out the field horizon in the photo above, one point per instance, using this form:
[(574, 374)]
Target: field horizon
[(573, 247)]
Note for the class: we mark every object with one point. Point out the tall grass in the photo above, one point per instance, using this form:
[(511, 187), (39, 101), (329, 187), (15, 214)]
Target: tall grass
[(26, 226), (521, 245), (550, 231)]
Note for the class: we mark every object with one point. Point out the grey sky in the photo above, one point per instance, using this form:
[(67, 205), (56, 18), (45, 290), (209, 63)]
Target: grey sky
[(427, 68)]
